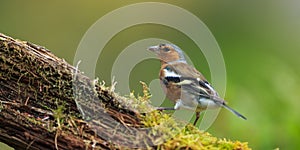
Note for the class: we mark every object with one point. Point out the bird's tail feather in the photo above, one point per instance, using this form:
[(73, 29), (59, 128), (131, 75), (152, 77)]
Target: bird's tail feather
[(234, 112)]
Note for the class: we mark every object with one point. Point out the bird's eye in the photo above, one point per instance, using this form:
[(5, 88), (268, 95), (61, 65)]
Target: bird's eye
[(162, 45)]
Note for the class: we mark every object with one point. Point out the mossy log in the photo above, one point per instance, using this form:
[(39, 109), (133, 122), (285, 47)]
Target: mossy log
[(38, 109), (46, 103)]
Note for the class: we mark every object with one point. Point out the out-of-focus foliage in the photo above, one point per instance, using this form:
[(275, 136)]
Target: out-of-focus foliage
[(259, 41)]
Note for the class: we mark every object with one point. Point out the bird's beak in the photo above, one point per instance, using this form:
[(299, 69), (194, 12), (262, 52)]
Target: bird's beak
[(154, 49)]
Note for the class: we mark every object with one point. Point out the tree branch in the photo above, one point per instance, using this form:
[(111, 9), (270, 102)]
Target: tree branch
[(38, 103)]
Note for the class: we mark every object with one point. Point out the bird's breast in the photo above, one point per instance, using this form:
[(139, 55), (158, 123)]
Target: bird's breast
[(172, 91)]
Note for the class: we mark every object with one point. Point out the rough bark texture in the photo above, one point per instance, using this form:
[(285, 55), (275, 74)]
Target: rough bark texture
[(42, 98)]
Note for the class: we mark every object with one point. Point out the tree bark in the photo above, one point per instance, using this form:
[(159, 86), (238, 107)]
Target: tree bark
[(46, 103)]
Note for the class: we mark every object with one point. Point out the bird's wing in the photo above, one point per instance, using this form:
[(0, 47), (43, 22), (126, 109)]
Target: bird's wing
[(191, 80)]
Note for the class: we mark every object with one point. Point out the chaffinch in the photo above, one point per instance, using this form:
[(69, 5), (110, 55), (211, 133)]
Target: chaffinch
[(184, 85)]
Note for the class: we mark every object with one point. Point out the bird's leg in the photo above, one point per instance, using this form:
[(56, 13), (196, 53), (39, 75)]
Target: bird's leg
[(197, 117), (165, 108)]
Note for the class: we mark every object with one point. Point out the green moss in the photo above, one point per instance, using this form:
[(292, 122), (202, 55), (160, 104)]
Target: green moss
[(34, 121), (59, 115), (179, 136)]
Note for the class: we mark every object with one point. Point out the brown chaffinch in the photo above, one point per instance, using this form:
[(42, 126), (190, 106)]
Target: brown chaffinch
[(184, 85)]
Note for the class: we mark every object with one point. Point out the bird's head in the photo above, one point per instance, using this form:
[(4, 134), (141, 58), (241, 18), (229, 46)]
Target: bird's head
[(168, 52)]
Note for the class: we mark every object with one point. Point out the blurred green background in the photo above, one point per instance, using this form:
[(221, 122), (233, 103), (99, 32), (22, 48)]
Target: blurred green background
[(260, 41)]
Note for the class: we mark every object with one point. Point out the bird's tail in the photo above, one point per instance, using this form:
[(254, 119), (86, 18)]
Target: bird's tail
[(233, 111)]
